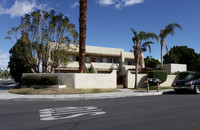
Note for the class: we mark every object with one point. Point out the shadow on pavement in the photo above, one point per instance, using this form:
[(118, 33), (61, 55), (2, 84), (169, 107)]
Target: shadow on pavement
[(6, 87), (182, 92)]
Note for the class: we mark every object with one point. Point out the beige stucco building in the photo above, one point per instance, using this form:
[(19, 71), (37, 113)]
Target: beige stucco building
[(103, 60)]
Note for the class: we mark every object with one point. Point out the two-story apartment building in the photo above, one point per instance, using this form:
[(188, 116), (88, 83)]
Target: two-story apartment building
[(103, 60)]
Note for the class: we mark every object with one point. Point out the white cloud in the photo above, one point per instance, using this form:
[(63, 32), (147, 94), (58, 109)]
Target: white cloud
[(132, 2), (19, 8), (4, 56), (75, 5), (42, 6), (4, 63), (4, 59), (106, 2), (119, 4)]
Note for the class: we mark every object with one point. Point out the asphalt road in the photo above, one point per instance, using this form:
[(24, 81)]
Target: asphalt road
[(170, 111)]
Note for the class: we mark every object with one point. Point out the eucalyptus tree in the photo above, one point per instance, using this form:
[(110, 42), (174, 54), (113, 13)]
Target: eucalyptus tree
[(43, 35), (169, 29), (82, 33), (140, 43)]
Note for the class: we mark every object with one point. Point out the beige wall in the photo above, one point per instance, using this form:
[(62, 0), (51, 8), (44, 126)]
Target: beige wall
[(88, 81), (131, 80), (143, 77), (172, 68), (83, 80), (170, 80), (105, 65)]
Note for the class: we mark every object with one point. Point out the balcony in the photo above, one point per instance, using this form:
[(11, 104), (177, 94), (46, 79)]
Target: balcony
[(96, 65), (127, 67)]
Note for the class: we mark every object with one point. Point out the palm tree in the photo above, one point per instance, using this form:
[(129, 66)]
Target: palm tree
[(140, 47), (82, 33), (169, 29)]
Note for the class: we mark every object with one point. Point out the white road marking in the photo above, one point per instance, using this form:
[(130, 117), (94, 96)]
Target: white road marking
[(68, 112)]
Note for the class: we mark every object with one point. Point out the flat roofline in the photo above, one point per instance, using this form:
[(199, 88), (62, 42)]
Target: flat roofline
[(70, 68), (96, 54)]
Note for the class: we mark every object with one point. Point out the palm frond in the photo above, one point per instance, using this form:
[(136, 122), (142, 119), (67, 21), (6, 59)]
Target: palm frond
[(153, 36), (173, 25), (147, 44), (169, 29), (142, 35), (143, 49), (136, 37), (134, 40)]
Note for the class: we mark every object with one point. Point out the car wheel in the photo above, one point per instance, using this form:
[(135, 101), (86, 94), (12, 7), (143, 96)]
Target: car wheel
[(196, 89)]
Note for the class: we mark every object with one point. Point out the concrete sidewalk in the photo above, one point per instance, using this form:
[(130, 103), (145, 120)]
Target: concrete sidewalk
[(5, 95)]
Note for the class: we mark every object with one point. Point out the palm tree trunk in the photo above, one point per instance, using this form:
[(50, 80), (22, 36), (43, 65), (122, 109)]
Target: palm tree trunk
[(137, 59), (161, 54), (82, 34), (136, 74)]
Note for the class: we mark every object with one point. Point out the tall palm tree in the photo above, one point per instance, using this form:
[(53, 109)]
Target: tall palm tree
[(169, 29), (82, 33), (140, 41)]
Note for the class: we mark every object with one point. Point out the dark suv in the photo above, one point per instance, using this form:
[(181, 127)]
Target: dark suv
[(190, 82)]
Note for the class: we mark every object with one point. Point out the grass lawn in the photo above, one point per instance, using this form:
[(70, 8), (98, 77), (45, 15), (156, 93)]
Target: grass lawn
[(50, 91)]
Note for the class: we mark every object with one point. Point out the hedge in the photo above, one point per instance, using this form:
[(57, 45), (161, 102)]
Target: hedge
[(158, 74), (39, 80), (183, 74)]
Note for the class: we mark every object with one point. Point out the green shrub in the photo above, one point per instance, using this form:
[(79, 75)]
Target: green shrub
[(183, 74), (90, 70), (39, 80), (158, 74)]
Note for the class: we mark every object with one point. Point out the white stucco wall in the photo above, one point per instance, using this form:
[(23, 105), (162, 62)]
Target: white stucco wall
[(178, 67), (75, 64), (131, 80), (103, 50), (89, 81), (127, 67), (172, 68), (170, 80), (143, 77), (128, 55), (84, 80), (97, 65)]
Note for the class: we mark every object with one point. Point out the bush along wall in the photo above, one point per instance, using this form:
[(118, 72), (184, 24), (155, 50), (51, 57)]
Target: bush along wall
[(39, 80), (158, 74), (183, 74)]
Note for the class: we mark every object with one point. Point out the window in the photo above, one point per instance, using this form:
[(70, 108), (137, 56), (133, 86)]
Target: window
[(77, 58), (87, 59), (71, 58), (103, 60), (113, 60), (93, 59), (130, 62)]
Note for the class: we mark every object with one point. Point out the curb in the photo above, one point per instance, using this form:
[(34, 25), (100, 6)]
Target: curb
[(72, 97)]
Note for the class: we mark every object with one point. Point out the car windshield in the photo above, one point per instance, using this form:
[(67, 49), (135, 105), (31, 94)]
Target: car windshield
[(191, 76)]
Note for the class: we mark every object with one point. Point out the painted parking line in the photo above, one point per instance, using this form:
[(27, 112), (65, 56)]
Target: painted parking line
[(68, 112)]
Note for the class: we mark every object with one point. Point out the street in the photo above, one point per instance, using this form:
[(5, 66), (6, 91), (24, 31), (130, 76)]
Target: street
[(170, 111)]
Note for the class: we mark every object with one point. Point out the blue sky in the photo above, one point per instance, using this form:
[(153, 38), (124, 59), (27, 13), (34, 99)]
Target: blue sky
[(109, 21)]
